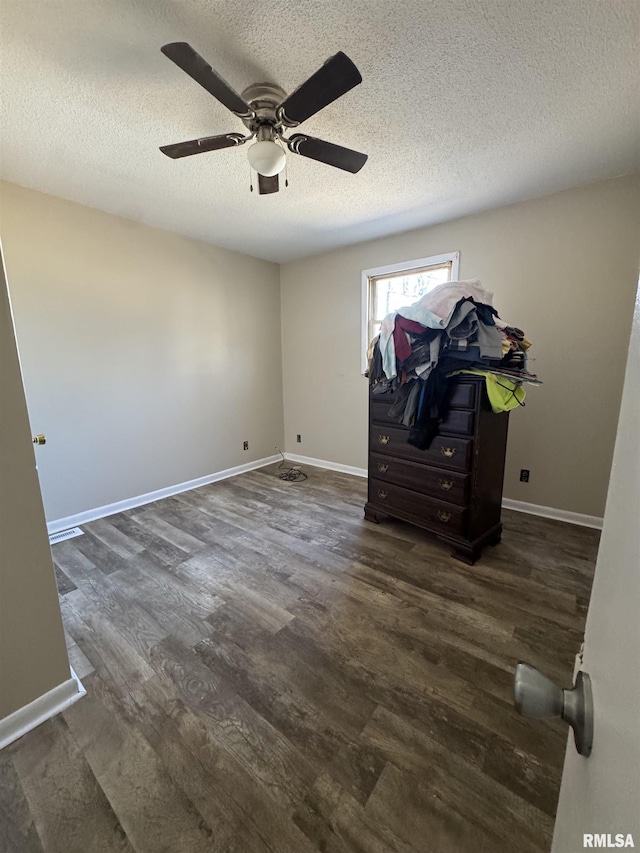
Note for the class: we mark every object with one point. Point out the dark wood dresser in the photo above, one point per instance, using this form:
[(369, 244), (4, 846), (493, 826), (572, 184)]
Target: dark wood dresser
[(452, 489)]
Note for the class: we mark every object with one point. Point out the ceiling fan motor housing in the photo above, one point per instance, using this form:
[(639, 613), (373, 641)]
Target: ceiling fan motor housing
[(263, 98)]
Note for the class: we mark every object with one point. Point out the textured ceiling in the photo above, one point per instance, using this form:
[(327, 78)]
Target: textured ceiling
[(464, 105)]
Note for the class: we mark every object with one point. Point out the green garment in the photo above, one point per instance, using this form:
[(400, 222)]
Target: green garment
[(504, 394)]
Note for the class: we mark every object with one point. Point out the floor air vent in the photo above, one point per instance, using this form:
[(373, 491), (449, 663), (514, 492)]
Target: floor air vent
[(65, 534)]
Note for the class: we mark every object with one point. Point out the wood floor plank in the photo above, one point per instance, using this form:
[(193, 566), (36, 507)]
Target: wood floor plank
[(324, 735), (70, 810), (337, 822), (64, 583), (155, 545), (270, 673), (491, 583), (537, 737), (177, 608), (98, 553), (104, 530), (254, 743), (415, 811), (459, 784), (107, 599), (261, 610), (153, 811), (523, 774), (66, 555), (17, 827), (451, 727), (452, 615), (241, 811), (80, 663), (499, 638), (169, 532), (102, 644), (184, 512), (411, 615), (368, 657)]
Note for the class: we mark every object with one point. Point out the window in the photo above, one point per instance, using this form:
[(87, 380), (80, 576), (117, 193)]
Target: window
[(386, 289)]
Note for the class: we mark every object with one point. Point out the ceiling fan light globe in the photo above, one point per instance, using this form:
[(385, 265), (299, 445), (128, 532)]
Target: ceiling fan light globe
[(267, 158)]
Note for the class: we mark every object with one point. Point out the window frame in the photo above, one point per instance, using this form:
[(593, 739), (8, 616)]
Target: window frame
[(368, 276)]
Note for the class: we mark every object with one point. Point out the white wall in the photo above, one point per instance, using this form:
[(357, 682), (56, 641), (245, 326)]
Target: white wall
[(148, 357), (563, 268)]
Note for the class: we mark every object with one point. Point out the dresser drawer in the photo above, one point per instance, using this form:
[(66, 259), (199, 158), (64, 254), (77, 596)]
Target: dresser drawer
[(463, 395), (446, 485), (459, 421), (379, 412), (456, 420), (389, 397), (445, 451), (404, 502)]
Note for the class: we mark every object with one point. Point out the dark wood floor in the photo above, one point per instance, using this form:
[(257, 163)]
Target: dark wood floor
[(266, 671)]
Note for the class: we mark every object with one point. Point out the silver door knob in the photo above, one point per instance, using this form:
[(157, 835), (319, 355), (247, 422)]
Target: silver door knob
[(537, 697)]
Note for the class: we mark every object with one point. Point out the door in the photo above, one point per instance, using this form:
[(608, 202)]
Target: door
[(35, 679), (600, 795)]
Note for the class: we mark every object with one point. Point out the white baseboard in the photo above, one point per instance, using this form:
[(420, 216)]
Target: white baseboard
[(331, 466), (556, 514), (518, 506), (150, 497), (52, 702), (130, 503)]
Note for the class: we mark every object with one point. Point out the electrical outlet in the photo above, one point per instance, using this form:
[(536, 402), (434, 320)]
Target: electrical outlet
[(524, 475), (245, 445), (299, 438)]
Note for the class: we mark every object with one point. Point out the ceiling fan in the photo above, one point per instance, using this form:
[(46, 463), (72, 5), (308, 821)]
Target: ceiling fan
[(266, 110)]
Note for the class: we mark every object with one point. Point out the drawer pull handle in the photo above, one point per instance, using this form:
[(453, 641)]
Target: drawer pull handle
[(449, 452), (444, 516), (383, 439), (382, 495), (447, 485), (382, 468)]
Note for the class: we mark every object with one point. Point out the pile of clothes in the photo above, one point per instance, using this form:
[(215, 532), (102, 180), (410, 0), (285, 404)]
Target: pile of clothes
[(453, 329)]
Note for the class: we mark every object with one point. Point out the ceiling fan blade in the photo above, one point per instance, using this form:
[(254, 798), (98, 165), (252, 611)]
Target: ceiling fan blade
[(199, 146), (195, 66), (327, 152), (336, 77), (268, 185)]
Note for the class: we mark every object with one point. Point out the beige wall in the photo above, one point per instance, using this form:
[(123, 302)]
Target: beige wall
[(148, 357), (563, 268), (33, 655)]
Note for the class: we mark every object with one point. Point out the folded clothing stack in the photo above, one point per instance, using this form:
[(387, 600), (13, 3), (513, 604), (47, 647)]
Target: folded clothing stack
[(453, 329)]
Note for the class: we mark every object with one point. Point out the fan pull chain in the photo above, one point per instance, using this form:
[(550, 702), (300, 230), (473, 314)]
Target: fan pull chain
[(250, 178), (286, 179)]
